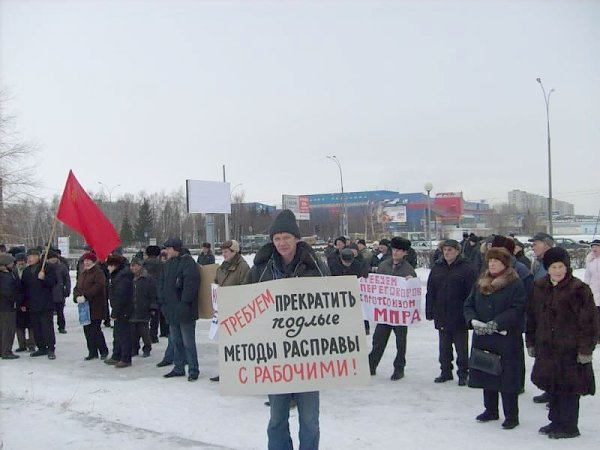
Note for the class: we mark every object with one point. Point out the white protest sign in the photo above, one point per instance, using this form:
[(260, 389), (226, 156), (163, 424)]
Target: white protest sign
[(291, 335), (391, 300), (214, 323)]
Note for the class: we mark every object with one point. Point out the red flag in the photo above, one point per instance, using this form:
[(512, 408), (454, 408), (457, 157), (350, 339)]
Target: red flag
[(78, 211)]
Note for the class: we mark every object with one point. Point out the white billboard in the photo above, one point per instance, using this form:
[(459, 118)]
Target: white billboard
[(298, 204), (208, 197)]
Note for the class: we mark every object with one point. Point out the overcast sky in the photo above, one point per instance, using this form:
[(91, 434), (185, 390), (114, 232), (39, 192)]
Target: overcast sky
[(146, 94)]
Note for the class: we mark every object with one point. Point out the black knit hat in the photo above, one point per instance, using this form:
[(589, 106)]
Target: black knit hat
[(556, 254), (285, 222), (400, 243), (153, 250)]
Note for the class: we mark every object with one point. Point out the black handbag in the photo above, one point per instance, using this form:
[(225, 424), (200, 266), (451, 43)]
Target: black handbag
[(485, 361)]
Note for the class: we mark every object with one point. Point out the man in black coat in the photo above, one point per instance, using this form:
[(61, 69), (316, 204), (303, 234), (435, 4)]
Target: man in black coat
[(120, 294), (153, 266), (61, 289), (37, 287), (206, 255), (144, 301), (450, 282), (178, 297), (9, 301)]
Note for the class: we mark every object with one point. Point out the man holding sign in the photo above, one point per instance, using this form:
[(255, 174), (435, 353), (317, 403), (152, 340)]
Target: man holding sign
[(288, 257), (399, 267)]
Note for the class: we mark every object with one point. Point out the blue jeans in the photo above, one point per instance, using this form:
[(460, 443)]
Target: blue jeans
[(183, 338), (308, 415)]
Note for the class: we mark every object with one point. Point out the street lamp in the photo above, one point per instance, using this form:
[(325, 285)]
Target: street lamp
[(232, 217), (344, 227), (428, 187), (547, 101), (108, 189)]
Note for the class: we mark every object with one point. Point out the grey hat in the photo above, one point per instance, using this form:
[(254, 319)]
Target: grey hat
[(347, 254), (6, 259), (451, 243), (175, 243), (544, 237)]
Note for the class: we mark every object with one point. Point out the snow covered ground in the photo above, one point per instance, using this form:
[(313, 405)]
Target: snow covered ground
[(72, 404)]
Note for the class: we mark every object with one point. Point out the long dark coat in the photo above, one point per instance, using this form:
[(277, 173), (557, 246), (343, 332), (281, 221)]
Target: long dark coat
[(92, 285), (62, 288), (448, 286), (562, 321), (120, 293), (37, 294), (178, 289), (10, 296), (501, 299), (144, 297)]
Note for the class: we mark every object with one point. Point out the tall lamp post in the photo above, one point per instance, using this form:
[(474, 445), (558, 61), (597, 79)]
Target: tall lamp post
[(344, 227), (428, 187), (547, 101), (108, 189)]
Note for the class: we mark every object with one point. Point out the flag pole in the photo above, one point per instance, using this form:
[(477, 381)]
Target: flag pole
[(49, 242)]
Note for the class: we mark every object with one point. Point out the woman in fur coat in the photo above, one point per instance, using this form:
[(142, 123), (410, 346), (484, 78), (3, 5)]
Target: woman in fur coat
[(495, 311), (562, 331)]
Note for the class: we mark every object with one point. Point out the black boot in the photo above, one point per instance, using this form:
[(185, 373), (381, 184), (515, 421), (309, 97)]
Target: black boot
[(443, 378)]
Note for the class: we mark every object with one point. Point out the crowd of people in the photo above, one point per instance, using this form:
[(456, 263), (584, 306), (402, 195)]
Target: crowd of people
[(488, 286)]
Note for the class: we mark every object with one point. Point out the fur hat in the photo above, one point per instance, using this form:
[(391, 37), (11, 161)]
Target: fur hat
[(503, 241), (115, 260), (21, 256), (400, 243), (232, 245), (206, 245), (285, 222), (556, 254), (385, 242), (52, 254), (137, 261), (34, 251), (153, 250), (89, 255), (500, 254), (451, 243), (6, 259)]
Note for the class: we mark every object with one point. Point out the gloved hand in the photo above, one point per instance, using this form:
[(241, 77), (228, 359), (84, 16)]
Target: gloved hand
[(479, 327), (81, 299), (584, 359), (491, 327), (531, 352)]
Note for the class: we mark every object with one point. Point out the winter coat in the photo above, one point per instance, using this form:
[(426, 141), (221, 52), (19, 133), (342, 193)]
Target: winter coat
[(448, 286), (358, 268), (367, 256), (120, 293), (592, 276), (37, 294), (403, 269), (523, 259), (92, 285), (411, 257), (232, 272), (205, 259), (153, 266), (10, 295), (375, 260), (268, 265), (537, 269), (502, 300), (144, 297), (62, 288), (178, 289), (562, 321)]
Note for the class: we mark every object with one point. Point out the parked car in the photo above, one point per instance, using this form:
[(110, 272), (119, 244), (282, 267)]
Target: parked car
[(569, 244)]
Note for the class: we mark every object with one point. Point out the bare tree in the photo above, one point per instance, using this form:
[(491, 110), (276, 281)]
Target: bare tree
[(16, 168)]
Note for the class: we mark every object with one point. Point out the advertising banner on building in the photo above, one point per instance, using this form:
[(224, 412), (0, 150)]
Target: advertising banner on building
[(298, 204)]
